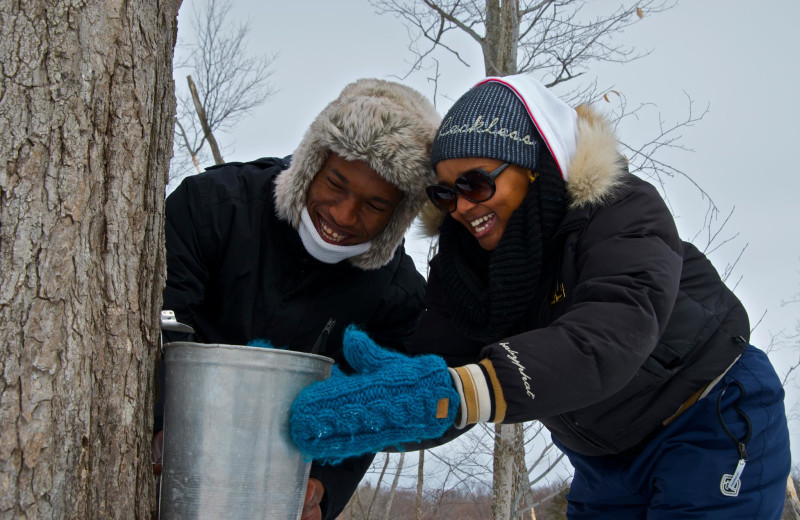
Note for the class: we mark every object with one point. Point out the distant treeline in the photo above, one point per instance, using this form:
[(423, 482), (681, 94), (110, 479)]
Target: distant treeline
[(454, 504), (457, 504)]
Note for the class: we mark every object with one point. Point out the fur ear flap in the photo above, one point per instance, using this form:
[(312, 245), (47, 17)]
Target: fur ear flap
[(430, 219)]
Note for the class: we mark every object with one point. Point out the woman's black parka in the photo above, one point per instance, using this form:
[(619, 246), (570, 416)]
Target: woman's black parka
[(626, 324)]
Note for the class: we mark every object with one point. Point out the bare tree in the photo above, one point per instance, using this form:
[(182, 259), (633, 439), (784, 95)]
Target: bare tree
[(789, 341), (508, 448), (420, 486), (86, 114), (224, 83), (366, 500), (393, 489), (555, 39)]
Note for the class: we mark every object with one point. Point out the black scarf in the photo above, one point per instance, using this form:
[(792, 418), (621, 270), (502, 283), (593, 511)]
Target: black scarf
[(487, 293)]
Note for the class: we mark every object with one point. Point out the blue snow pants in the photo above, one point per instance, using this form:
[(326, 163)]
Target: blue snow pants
[(679, 473)]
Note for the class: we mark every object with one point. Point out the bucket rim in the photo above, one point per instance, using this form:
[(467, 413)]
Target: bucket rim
[(226, 346)]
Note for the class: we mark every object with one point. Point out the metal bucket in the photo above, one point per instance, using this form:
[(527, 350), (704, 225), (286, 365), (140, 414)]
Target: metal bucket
[(227, 448)]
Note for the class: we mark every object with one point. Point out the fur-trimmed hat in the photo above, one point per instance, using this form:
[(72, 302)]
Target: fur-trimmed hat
[(388, 126)]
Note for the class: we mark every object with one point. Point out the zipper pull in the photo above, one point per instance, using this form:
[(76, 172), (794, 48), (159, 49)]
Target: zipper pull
[(730, 484), (322, 340)]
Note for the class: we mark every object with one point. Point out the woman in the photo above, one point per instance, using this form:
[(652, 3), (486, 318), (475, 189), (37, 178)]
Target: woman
[(562, 292)]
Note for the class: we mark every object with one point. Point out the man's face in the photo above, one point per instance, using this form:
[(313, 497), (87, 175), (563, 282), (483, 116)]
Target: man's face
[(349, 202)]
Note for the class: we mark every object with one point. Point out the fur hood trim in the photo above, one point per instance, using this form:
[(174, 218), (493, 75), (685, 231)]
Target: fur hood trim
[(595, 168), (388, 126)]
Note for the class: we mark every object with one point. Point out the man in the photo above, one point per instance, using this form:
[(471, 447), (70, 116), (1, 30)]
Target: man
[(293, 250)]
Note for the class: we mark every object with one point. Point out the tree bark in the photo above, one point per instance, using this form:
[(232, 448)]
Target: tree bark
[(508, 440), (393, 489), (500, 59), (502, 37), (791, 492), (420, 486), (86, 115)]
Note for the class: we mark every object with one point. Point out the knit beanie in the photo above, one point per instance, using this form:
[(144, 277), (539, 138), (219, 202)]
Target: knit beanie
[(489, 121)]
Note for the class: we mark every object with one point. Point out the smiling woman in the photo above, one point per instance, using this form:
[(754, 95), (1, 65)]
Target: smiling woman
[(485, 219), (578, 270), (565, 295)]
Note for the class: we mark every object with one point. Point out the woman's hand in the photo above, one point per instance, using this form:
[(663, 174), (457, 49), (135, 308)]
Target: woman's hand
[(391, 399)]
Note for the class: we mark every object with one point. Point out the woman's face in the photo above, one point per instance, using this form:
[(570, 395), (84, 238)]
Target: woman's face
[(486, 220)]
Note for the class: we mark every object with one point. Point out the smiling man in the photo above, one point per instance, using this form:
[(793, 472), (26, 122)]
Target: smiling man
[(293, 250), (349, 204)]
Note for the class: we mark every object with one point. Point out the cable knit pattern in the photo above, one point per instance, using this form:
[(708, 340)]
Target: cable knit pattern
[(389, 400)]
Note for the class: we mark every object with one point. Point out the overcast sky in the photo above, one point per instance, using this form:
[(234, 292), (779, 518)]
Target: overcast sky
[(738, 57)]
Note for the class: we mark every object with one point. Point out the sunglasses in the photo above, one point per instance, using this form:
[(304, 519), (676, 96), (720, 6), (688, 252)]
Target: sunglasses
[(475, 185)]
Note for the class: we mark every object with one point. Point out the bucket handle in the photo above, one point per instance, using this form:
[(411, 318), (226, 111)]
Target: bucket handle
[(170, 323)]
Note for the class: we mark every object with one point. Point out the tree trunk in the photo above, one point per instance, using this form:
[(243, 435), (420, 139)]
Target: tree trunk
[(500, 59), (791, 492), (86, 115), (420, 486), (508, 441), (393, 489), (502, 37), (522, 490)]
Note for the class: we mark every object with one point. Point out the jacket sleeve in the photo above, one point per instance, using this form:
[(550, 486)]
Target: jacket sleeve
[(627, 266)]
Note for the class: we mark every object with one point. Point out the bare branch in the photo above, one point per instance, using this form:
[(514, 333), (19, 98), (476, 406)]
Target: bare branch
[(760, 319), (182, 133), (451, 17), (420, 486), (555, 38), (201, 115), (228, 82), (789, 373)]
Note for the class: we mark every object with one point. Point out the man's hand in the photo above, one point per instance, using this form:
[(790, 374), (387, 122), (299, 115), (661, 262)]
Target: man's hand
[(157, 448), (314, 492)]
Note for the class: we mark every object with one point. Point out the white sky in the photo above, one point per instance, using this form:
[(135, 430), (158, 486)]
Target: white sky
[(739, 57)]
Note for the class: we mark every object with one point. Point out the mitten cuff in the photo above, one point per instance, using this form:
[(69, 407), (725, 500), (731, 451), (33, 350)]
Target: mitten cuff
[(481, 397)]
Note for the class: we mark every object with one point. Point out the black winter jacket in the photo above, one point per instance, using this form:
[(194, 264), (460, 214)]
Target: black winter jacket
[(236, 272), (627, 321)]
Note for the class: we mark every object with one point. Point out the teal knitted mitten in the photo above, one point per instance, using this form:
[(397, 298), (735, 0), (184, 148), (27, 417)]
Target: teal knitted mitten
[(391, 399)]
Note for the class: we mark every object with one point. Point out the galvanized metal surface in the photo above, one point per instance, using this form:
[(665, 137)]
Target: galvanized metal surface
[(227, 449)]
